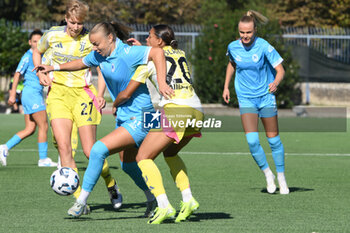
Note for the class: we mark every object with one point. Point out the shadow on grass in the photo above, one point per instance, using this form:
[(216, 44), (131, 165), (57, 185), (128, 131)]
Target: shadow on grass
[(135, 208), (291, 190), (84, 168), (196, 217), (125, 207)]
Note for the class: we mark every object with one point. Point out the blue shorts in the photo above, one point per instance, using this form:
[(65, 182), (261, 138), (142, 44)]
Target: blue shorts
[(264, 106), (135, 128), (32, 100)]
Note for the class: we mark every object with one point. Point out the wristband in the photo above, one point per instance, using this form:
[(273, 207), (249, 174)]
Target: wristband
[(56, 67)]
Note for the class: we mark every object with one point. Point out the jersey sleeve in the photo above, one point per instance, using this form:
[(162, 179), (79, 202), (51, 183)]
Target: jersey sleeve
[(91, 59), (137, 55), (44, 42), (272, 55), (23, 64), (228, 53), (142, 73)]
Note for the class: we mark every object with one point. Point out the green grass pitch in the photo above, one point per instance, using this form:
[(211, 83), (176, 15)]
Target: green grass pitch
[(224, 179)]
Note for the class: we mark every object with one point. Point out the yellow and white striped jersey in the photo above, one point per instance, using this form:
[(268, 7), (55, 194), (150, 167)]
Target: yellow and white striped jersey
[(178, 78), (64, 48)]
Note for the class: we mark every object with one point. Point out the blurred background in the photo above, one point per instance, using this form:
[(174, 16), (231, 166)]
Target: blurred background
[(312, 36)]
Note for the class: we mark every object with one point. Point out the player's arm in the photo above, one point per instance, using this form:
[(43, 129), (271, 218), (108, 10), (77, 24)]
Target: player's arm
[(229, 73), (69, 66), (12, 97), (101, 86), (158, 58), (43, 78), (278, 79), (126, 94)]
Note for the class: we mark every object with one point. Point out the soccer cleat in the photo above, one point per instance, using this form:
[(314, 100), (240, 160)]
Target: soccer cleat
[(78, 209), (116, 197), (283, 186), (162, 214), (151, 206), (270, 183), (47, 162), (4, 152), (187, 208)]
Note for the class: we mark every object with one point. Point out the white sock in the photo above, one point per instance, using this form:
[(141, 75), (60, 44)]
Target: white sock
[(162, 201), (280, 176), (267, 171), (149, 195), (84, 195), (186, 195)]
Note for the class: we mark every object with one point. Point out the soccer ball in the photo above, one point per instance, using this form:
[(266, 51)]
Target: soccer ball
[(64, 181)]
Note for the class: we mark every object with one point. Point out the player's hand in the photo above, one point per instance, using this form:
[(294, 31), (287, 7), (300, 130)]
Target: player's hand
[(101, 102), (114, 111), (226, 95), (43, 68), (12, 99), (166, 91), (273, 87), (133, 41), (43, 79)]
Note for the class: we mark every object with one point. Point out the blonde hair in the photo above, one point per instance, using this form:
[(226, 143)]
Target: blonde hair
[(255, 17), (77, 8)]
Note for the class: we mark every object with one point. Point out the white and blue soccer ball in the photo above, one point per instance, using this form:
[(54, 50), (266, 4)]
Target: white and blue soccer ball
[(64, 181)]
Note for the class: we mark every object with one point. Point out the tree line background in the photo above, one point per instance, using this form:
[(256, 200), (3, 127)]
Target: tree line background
[(219, 20)]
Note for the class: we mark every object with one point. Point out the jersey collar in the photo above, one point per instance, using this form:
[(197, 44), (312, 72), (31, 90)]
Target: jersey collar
[(250, 46), (114, 52)]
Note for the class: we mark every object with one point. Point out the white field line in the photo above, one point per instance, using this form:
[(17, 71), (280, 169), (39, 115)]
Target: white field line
[(215, 153)]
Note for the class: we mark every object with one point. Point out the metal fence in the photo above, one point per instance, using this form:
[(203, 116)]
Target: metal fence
[(332, 42)]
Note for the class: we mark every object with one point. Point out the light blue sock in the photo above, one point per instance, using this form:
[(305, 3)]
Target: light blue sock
[(133, 170), (256, 150), (277, 152), (98, 154), (13, 141), (42, 150)]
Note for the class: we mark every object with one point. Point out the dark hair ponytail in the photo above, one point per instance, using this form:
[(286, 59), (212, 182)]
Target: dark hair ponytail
[(167, 34), (116, 29)]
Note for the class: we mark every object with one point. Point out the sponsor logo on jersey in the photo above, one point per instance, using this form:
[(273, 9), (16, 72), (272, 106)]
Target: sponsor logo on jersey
[(59, 45), (255, 58), (127, 50), (238, 58)]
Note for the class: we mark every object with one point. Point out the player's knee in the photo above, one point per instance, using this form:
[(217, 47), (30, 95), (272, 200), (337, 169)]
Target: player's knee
[(253, 139), (98, 151), (275, 142)]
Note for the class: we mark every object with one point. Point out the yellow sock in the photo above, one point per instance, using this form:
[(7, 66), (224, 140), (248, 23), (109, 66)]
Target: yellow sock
[(106, 175), (152, 176), (76, 194), (74, 139), (178, 172)]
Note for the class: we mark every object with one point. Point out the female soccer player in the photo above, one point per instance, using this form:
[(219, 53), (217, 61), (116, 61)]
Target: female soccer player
[(33, 106), (181, 106), (118, 62), (259, 71), (72, 97)]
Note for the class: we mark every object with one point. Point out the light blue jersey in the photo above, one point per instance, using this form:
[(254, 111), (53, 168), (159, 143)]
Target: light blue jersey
[(254, 67), (32, 93), (117, 70), (25, 68)]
